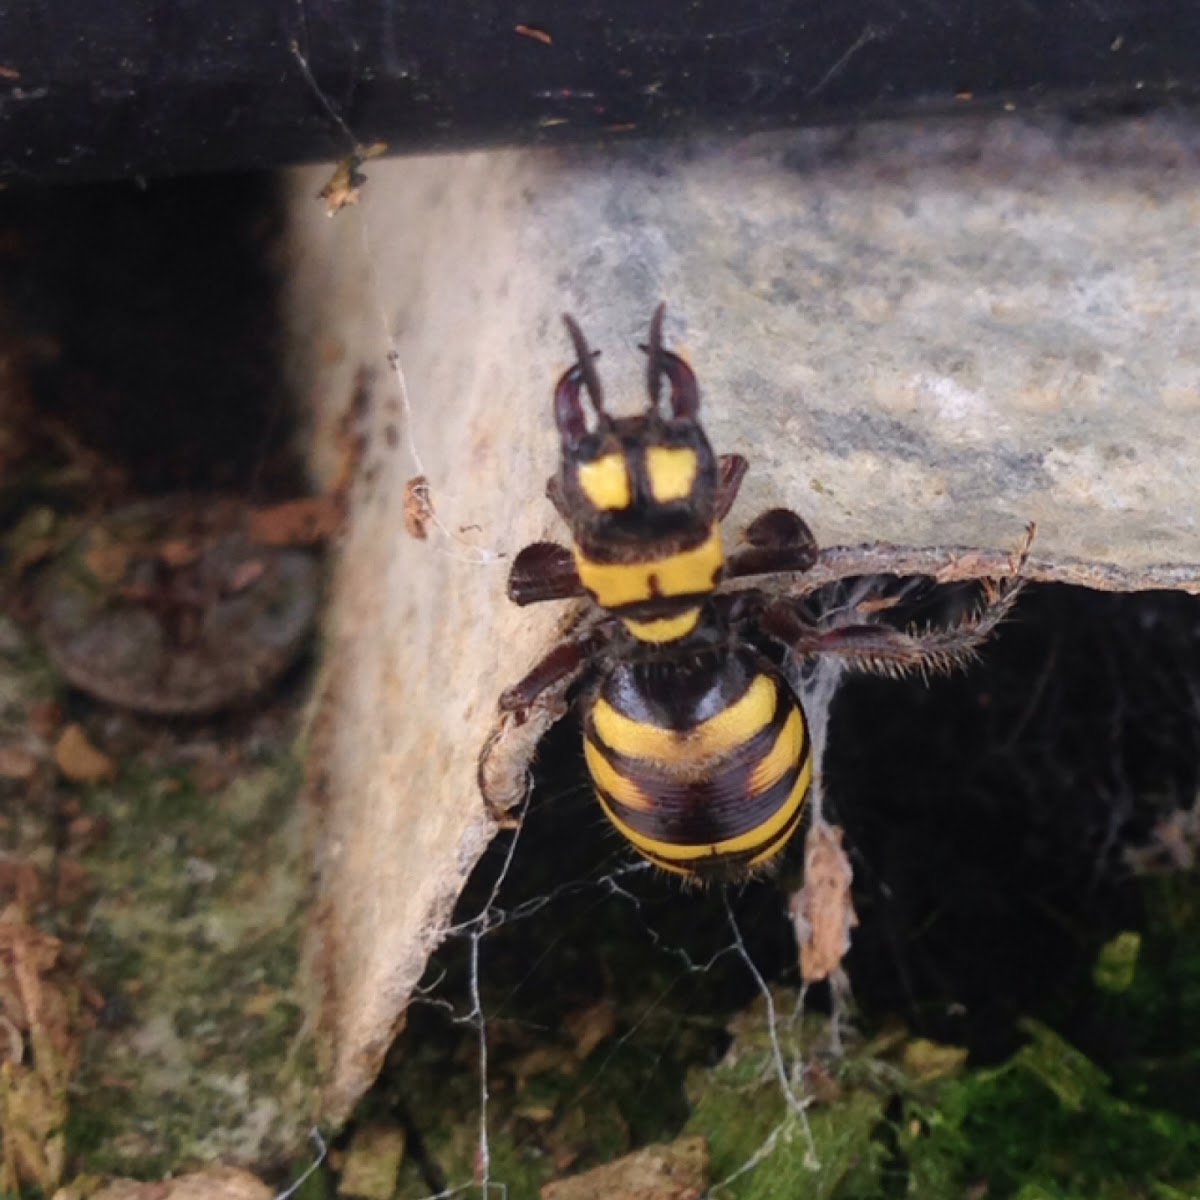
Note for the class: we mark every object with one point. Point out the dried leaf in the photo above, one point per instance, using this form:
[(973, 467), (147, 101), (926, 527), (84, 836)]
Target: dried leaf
[(33, 1091), (822, 910), (588, 1027), (304, 522), (108, 561), (21, 881), (79, 760), (678, 1171), (31, 1116), (72, 882), (345, 184), (16, 763), (418, 508), (926, 1061), (179, 552), (213, 1183), (261, 1002), (372, 1163), (542, 1061), (12, 1044)]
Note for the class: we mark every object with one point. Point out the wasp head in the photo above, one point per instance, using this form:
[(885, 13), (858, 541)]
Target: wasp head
[(633, 479)]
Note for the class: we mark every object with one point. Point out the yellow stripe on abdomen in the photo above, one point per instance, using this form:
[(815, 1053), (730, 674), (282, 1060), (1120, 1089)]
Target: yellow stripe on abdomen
[(782, 755), (688, 573), (718, 736), (606, 776), (686, 855)]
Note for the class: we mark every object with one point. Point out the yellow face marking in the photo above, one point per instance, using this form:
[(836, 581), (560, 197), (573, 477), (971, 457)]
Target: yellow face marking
[(710, 739), (672, 472), (666, 629), (781, 756), (613, 782), (605, 481), (686, 855), (687, 573)]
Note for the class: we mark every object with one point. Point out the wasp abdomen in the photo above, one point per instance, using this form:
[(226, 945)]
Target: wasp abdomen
[(702, 764)]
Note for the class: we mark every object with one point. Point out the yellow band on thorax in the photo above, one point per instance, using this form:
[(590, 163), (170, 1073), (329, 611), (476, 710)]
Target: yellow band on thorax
[(690, 572), (664, 629)]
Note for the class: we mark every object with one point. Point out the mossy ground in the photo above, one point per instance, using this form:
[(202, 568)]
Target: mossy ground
[(193, 939), (184, 931), (136, 360)]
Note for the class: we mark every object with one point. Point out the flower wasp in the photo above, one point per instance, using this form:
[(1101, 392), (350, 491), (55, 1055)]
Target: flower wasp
[(694, 731)]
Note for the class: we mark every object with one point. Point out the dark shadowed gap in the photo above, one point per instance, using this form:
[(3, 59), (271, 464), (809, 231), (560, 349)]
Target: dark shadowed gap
[(989, 817)]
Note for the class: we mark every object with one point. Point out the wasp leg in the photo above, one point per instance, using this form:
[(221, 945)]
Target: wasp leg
[(778, 540), (731, 470), (565, 661), (543, 571), (885, 651)]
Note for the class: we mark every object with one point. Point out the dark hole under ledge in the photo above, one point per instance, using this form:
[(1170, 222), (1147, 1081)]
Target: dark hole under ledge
[(1004, 824)]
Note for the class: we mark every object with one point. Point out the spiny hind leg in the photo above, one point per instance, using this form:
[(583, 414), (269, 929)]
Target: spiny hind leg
[(886, 651)]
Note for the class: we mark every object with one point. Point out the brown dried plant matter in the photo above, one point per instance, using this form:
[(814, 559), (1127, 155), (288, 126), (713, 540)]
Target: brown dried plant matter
[(345, 185), (212, 1183), (822, 910), (418, 508), (676, 1171), (39, 1052)]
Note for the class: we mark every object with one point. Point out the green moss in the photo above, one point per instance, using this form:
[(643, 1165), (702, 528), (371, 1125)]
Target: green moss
[(194, 942), (1045, 1120), (760, 1146), (1116, 964)]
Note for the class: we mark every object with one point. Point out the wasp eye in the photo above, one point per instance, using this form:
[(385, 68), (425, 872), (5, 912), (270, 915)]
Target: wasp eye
[(672, 472), (605, 482)]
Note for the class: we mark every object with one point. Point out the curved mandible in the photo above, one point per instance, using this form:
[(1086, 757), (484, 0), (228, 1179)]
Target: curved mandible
[(568, 411), (685, 391)]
